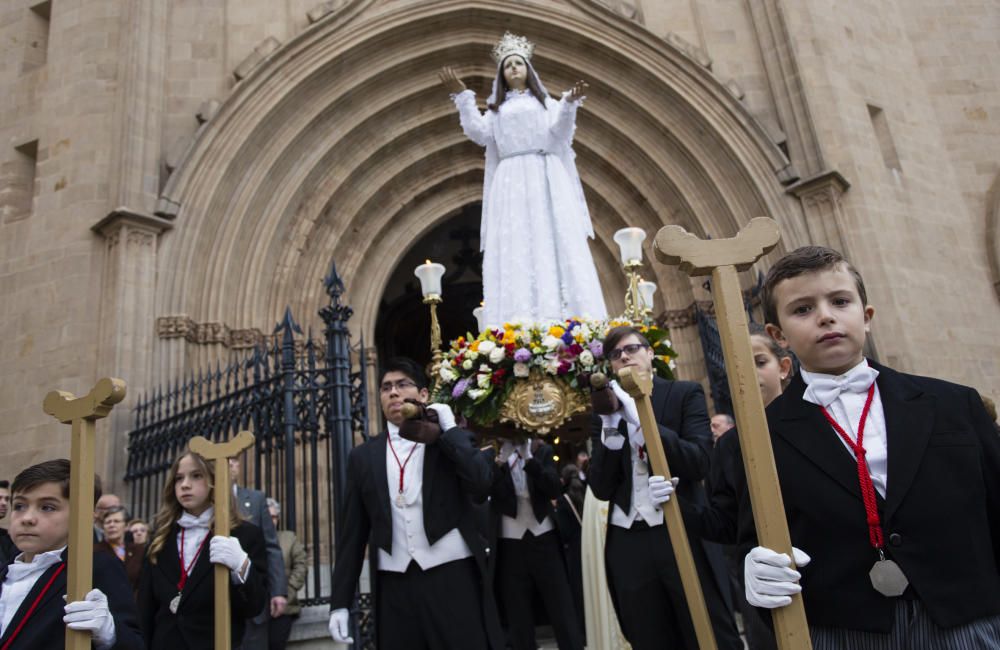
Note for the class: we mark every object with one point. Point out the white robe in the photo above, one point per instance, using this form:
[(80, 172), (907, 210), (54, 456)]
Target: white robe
[(537, 265)]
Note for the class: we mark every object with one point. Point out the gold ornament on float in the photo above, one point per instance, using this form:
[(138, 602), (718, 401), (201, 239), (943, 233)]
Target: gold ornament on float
[(542, 403)]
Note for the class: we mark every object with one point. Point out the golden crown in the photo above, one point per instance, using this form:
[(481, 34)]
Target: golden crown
[(511, 44)]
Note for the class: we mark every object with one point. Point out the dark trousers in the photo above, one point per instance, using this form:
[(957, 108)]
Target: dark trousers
[(278, 632), (437, 609), (646, 586), (536, 564)]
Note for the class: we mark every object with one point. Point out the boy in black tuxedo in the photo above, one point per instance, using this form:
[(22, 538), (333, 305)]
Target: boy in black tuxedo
[(33, 610), (642, 573), (890, 482), (410, 493)]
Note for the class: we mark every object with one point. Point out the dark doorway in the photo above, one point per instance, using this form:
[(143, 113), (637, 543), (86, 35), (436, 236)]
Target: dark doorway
[(403, 326)]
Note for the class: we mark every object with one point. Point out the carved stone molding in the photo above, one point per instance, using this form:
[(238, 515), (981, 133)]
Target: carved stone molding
[(144, 226), (182, 326), (820, 196)]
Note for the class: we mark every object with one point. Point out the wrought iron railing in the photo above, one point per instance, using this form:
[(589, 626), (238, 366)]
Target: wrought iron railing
[(305, 406)]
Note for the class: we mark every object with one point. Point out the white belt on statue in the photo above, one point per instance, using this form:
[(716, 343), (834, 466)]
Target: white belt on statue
[(526, 152)]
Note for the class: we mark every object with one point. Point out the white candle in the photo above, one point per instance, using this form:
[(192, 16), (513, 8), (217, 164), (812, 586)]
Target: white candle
[(429, 274), (646, 291), (478, 313), (629, 242)]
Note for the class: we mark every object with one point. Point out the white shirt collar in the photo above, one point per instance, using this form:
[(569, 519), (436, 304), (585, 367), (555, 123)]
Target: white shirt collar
[(204, 520)]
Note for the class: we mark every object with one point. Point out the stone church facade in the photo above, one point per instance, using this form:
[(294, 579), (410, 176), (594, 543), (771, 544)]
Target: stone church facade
[(174, 174)]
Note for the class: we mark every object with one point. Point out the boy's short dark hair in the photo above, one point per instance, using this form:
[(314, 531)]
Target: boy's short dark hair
[(50, 471), (4, 484), (616, 334), (408, 367), (807, 259)]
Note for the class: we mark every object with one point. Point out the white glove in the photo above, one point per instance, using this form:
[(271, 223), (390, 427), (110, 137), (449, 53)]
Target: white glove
[(770, 579), (445, 417), (628, 408), (91, 615), (660, 489), (228, 552), (506, 451), (340, 626)]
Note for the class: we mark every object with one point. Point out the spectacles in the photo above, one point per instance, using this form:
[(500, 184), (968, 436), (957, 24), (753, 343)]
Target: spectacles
[(400, 386), (629, 349)]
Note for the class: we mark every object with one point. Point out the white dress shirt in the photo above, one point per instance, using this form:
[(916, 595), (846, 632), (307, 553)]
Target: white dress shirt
[(641, 506), (516, 527), (846, 409), (409, 538), (21, 577), (196, 529)]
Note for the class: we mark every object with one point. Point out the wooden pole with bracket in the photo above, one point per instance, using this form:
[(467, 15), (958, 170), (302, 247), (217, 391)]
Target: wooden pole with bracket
[(220, 453), (82, 413), (640, 386), (723, 259)]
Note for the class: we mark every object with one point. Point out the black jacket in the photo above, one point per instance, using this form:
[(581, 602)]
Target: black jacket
[(45, 629), (455, 475), (194, 623), (682, 415), (941, 515), (543, 485)]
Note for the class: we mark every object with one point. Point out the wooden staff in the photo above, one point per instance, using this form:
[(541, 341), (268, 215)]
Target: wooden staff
[(722, 259), (82, 413), (640, 386), (222, 496)]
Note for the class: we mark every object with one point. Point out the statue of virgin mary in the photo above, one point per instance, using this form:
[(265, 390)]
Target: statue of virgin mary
[(537, 265)]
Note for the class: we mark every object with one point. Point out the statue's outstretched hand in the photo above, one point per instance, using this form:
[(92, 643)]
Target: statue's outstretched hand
[(578, 90), (450, 80)]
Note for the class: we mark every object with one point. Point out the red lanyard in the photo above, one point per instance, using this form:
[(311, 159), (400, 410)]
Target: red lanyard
[(402, 466), (864, 478), (34, 606), (186, 569)]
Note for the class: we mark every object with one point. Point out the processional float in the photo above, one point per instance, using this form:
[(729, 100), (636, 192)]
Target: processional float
[(542, 401)]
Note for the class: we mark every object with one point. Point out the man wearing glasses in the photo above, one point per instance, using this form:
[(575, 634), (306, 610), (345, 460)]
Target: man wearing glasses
[(642, 573), (413, 501)]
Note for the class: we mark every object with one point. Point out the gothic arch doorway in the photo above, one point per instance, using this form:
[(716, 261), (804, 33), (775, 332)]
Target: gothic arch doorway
[(402, 327)]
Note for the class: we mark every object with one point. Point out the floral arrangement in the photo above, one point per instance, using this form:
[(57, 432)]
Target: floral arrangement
[(478, 372)]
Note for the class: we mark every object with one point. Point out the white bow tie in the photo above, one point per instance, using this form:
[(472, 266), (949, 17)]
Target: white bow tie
[(825, 389), (203, 520)]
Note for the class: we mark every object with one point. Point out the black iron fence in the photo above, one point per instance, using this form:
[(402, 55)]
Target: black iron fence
[(303, 403)]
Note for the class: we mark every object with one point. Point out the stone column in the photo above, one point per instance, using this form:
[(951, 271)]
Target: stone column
[(127, 329), (821, 205)]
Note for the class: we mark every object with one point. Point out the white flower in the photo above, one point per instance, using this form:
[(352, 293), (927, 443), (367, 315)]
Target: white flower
[(587, 358), (497, 355), (471, 355), (551, 342), (485, 368), (521, 370), (483, 381), (552, 366), (475, 393), (485, 347), (447, 374), (526, 338), (467, 364)]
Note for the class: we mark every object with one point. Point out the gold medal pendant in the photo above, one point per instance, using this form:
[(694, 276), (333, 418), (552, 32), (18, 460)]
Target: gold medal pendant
[(888, 578), (175, 602)]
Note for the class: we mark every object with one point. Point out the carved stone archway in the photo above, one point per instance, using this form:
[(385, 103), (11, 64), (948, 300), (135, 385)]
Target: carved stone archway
[(341, 146)]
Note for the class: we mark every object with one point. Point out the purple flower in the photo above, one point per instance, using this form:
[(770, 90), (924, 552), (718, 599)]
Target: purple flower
[(597, 349), (460, 388), (567, 337), (522, 355)]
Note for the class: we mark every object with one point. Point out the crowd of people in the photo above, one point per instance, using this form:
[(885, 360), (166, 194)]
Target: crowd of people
[(153, 586), (883, 476)]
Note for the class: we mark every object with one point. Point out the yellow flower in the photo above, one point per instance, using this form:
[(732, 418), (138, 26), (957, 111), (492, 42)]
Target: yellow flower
[(557, 331), (475, 346)]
